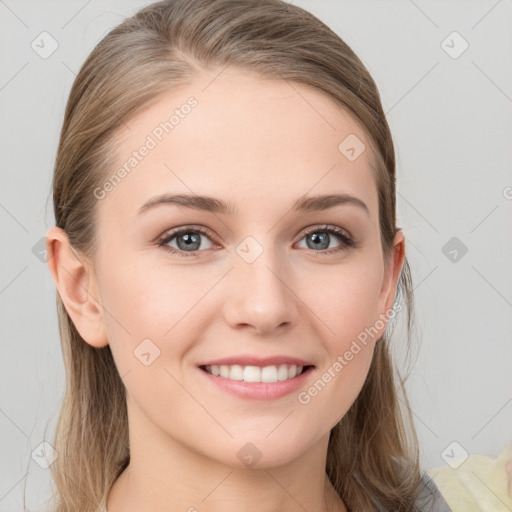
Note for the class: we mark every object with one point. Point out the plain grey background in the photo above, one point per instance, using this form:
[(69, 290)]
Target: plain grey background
[(450, 111)]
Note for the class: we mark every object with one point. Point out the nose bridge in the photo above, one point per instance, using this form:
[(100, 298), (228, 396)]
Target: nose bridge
[(257, 264), (260, 295)]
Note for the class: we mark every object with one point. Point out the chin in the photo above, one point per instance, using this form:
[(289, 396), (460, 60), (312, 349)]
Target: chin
[(261, 453)]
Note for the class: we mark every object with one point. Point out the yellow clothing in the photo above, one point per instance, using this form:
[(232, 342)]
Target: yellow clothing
[(479, 484)]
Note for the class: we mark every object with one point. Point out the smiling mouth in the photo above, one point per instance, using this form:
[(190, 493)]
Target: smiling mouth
[(267, 374)]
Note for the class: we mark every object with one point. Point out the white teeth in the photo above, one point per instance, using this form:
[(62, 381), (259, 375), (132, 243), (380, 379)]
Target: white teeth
[(269, 374), (252, 374), (282, 373), (255, 373), (236, 372)]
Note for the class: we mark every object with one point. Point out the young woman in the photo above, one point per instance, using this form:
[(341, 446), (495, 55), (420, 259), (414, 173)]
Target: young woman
[(227, 261)]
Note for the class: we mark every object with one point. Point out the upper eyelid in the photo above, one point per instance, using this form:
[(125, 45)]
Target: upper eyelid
[(171, 233), (325, 227)]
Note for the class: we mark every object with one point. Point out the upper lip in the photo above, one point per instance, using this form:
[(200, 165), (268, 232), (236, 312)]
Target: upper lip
[(258, 361)]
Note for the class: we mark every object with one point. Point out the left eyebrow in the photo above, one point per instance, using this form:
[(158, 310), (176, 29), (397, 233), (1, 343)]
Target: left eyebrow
[(323, 202), (214, 205)]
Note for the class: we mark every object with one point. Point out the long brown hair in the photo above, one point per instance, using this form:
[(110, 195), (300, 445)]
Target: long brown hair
[(373, 450)]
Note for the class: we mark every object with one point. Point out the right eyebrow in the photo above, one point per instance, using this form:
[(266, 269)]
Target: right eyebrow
[(206, 203)]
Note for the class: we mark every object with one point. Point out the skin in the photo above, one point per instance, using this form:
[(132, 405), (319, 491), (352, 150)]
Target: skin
[(261, 144)]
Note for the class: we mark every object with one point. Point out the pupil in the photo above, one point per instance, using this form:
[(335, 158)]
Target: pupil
[(188, 240), (319, 239)]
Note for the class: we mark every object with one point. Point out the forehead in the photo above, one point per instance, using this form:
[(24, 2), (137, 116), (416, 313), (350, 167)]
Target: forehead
[(244, 138)]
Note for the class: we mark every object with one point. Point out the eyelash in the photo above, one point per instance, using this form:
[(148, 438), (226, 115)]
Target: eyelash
[(347, 241)]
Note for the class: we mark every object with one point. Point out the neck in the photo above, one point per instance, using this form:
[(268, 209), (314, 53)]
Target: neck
[(257, 490), (166, 476)]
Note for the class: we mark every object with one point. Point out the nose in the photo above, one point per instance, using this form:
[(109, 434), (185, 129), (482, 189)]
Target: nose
[(261, 295)]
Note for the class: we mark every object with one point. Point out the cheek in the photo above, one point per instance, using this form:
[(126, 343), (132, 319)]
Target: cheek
[(346, 303), (345, 299), (349, 311), (335, 388), (150, 310), (153, 302)]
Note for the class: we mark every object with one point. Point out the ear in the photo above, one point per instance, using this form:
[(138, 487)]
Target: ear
[(77, 287), (393, 268)]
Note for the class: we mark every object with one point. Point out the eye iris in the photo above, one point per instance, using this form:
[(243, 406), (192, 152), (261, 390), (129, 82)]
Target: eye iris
[(319, 240), (189, 241)]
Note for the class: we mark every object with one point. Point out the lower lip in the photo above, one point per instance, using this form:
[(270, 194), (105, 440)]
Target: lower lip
[(259, 390)]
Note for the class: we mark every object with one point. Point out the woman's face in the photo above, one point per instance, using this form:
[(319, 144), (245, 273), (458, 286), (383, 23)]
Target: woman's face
[(265, 286)]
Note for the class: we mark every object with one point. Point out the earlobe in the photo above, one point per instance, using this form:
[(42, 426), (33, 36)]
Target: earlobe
[(76, 284)]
